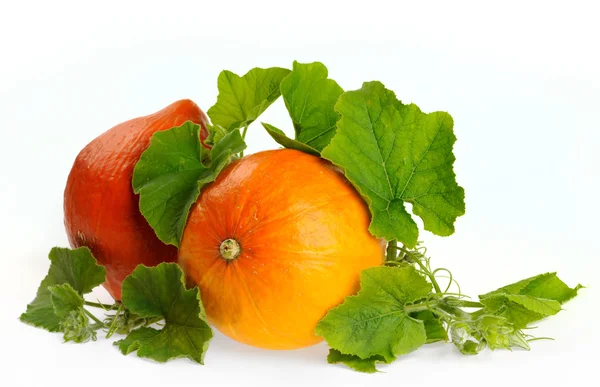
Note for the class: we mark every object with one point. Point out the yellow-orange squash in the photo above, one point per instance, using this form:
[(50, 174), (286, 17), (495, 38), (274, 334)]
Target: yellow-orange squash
[(275, 242)]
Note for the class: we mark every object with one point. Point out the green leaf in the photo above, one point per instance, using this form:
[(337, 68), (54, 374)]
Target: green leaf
[(520, 310), (68, 306), (355, 362), (529, 300), (215, 134), (280, 137), (160, 292), (78, 268), (394, 153), (173, 170), (433, 327), (137, 338), (65, 299), (374, 322), (310, 99), (242, 99), (541, 306), (547, 286)]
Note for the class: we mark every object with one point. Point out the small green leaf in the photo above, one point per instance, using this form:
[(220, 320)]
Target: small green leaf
[(280, 137), (394, 153), (173, 170), (160, 292), (215, 134), (547, 286), (78, 268), (433, 327), (65, 299), (242, 99), (310, 99), (374, 322), (354, 362)]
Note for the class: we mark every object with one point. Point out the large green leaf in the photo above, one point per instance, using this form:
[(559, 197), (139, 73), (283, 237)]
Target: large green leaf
[(242, 99), (77, 268), (396, 154), (374, 322), (310, 98), (142, 336), (173, 170), (160, 292)]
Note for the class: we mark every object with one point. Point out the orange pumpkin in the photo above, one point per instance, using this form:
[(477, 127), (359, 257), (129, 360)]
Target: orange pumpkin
[(101, 210), (276, 241)]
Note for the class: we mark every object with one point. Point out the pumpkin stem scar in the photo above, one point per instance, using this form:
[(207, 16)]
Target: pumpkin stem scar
[(230, 249)]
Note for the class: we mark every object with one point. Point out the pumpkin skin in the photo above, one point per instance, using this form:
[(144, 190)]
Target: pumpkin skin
[(102, 212), (302, 230)]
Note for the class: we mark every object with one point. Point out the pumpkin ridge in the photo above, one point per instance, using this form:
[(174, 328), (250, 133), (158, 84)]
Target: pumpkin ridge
[(242, 279)]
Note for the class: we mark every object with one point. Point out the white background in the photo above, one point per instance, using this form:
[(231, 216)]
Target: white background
[(521, 79)]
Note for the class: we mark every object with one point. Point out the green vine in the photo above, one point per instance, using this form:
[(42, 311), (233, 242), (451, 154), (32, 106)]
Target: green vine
[(471, 330)]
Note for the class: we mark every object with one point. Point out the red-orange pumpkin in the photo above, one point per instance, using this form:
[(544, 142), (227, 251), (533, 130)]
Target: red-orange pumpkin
[(276, 241), (101, 210)]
